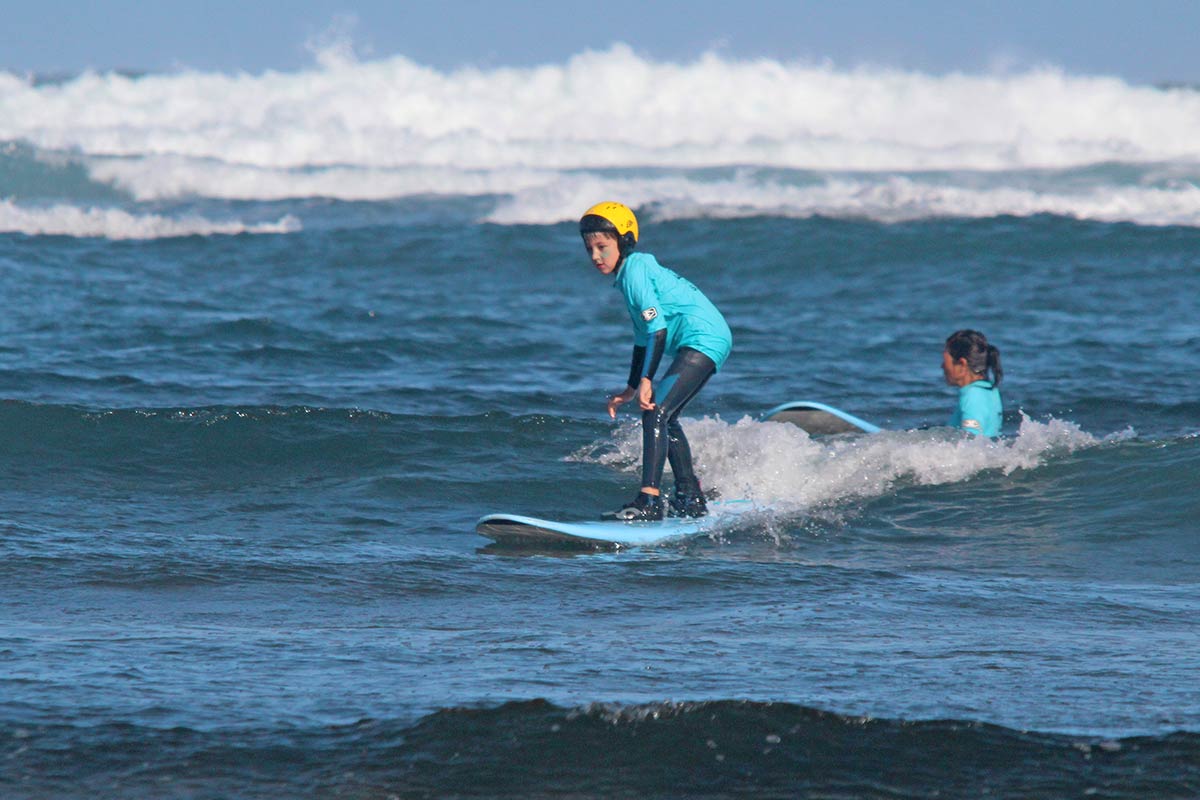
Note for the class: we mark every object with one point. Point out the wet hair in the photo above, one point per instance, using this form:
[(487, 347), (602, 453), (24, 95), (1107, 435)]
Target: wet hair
[(980, 356)]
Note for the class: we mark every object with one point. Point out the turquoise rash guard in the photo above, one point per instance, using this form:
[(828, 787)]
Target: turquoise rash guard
[(979, 409), (672, 319), (659, 299)]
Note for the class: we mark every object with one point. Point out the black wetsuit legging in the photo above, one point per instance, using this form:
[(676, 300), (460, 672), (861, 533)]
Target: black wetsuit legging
[(662, 435)]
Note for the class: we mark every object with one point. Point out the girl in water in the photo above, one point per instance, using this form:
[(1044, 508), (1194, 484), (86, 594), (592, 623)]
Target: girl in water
[(966, 361)]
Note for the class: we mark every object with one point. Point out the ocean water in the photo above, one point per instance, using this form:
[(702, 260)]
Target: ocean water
[(272, 344)]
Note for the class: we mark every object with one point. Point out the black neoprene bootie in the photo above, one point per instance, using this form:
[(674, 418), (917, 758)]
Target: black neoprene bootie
[(688, 500), (644, 507)]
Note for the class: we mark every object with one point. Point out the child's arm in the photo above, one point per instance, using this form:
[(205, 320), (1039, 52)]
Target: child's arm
[(645, 387), (635, 377), (635, 366)]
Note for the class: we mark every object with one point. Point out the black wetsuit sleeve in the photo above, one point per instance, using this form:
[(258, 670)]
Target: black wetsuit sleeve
[(657, 345), (635, 366)]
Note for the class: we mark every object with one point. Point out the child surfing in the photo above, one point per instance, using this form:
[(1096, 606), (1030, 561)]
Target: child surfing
[(673, 322)]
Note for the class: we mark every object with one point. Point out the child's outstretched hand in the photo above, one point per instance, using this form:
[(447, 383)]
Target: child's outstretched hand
[(645, 395), (617, 399)]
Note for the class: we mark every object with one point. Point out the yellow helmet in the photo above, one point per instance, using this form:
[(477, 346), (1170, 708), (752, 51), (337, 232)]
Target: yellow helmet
[(614, 218)]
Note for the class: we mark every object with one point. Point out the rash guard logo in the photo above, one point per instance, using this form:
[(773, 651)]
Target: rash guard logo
[(972, 423), (650, 313)]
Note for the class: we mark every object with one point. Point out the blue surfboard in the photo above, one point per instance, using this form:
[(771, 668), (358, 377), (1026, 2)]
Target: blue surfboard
[(516, 529), (819, 419)]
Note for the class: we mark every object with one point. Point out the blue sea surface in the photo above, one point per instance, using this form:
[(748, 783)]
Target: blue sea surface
[(245, 441)]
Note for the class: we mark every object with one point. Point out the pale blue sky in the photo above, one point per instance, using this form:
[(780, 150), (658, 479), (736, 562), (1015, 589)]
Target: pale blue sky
[(1143, 41)]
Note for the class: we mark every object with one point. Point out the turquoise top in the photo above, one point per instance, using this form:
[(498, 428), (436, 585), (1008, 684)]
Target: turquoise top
[(979, 409), (657, 298)]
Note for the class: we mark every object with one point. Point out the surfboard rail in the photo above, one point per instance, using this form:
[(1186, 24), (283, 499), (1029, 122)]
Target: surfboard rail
[(818, 419), (521, 530)]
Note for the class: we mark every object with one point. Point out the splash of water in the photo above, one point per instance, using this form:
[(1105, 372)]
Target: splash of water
[(781, 466)]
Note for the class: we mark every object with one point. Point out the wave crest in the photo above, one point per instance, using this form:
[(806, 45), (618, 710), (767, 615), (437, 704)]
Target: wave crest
[(780, 465), (716, 749), (711, 111), (115, 223), (791, 138)]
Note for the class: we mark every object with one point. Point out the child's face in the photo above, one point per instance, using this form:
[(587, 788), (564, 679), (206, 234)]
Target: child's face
[(957, 373), (603, 251)]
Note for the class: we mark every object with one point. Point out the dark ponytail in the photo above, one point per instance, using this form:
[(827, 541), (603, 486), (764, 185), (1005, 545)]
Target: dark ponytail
[(980, 356), (993, 363)]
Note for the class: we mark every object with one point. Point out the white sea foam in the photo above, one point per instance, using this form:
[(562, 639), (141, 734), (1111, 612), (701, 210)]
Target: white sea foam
[(887, 198), (781, 466), (112, 223), (393, 112), (535, 197), (167, 177), (548, 140)]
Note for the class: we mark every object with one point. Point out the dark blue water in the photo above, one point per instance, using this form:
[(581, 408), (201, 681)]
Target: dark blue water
[(241, 476)]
